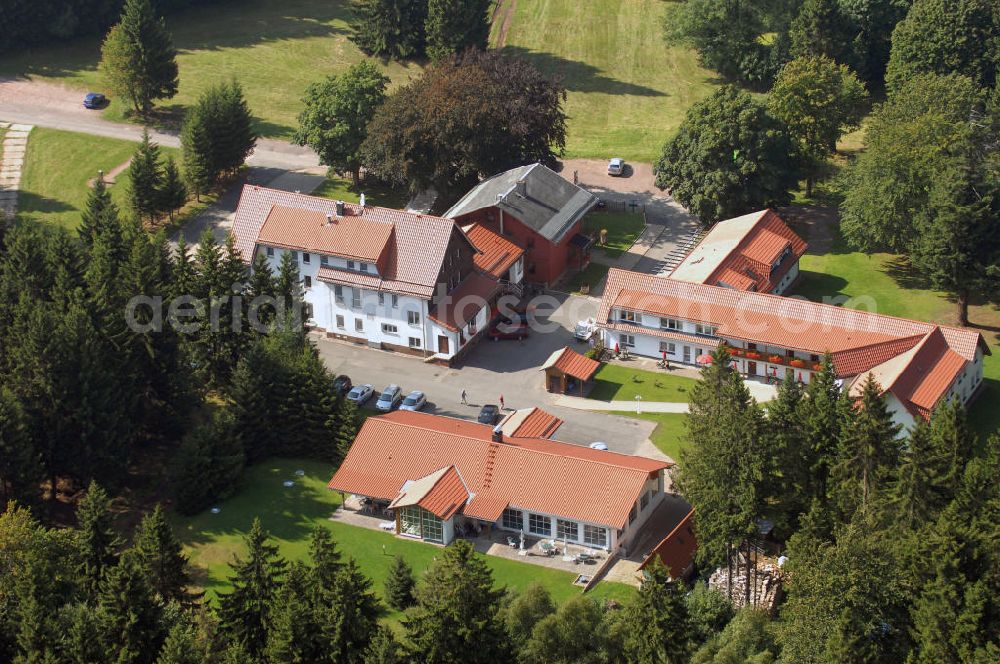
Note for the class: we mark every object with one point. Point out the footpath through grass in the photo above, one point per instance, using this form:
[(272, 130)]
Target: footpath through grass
[(627, 89), (623, 228), (275, 49), (885, 283), (616, 382), (57, 167), (290, 514)]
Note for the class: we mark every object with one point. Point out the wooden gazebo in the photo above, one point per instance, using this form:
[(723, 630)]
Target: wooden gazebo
[(569, 372)]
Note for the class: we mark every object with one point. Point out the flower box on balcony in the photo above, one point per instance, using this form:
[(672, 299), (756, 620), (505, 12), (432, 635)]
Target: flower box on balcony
[(776, 359), (736, 352), (817, 367), (798, 363), (753, 355)]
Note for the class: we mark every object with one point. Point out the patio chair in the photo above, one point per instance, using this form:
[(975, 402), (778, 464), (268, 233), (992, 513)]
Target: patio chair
[(511, 542)]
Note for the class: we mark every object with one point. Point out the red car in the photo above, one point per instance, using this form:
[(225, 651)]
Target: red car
[(505, 328)]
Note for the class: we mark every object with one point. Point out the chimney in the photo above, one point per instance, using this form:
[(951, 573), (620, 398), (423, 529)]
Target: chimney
[(498, 434), (329, 219), (521, 187), (340, 208)]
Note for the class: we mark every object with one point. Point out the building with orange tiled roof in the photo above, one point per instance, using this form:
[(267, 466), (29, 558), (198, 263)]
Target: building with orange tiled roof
[(392, 279), (438, 476), (754, 252), (919, 364), (569, 372)]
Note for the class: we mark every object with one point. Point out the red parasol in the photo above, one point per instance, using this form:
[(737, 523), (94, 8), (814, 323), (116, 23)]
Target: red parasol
[(616, 348), (704, 359)]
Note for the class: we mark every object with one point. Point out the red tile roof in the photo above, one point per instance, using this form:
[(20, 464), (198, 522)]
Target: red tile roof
[(676, 550), (414, 252), (859, 340), (465, 302), (572, 364), (740, 253), (442, 493), (351, 236), (533, 474), (536, 424), (497, 253)]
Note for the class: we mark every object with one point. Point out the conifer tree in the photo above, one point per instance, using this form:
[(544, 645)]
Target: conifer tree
[(348, 425), (455, 25), (172, 194), (953, 441), (97, 210), (245, 612), (823, 413), (789, 488), (383, 649), (158, 552), (235, 136), (208, 465), (349, 618), (389, 28), (128, 614), (653, 627), (288, 285), (145, 180), (399, 584), (181, 646), (577, 632), (456, 615), (20, 465), (138, 58), (35, 638), (293, 632), (98, 542), (259, 293), (83, 639), (325, 556), (916, 493), (195, 151), (183, 277)]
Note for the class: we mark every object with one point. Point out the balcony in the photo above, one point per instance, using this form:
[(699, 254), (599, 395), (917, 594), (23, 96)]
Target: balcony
[(771, 358)]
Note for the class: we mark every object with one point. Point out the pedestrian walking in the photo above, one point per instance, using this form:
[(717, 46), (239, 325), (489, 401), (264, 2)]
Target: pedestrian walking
[(501, 402), (464, 399)]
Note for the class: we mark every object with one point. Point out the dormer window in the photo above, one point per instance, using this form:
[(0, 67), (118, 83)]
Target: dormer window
[(363, 267), (626, 316), (350, 265), (324, 260)]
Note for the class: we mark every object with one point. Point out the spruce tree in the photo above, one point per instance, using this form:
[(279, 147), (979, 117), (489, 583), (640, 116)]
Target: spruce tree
[(288, 286), (172, 194), (253, 395), (196, 153), (145, 180), (399, 584), (159, 554), (456, 615), (389, 28), (383, 648), (293, 633), (181, 646), (325, 556), (245, 612), (35, 639), (349, 617), (653, 627), (183, 277), (82, 640), (788, 487), (823, 413), (235, 135), (455, 25), (954, 442), (96, 212), (208, 466), (259, 295), (20, 464), (97, 540), (138, 57), (916, 493), (128, 614)]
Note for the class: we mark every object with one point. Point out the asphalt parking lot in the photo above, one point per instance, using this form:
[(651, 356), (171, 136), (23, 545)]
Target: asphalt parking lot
[(494, 368)]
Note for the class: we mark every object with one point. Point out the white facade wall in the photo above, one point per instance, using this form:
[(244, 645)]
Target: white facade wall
[(786, 280)]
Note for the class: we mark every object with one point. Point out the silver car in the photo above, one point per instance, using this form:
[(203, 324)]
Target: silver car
[(616, 166), (389, 399), (360, 394), (415, 400)]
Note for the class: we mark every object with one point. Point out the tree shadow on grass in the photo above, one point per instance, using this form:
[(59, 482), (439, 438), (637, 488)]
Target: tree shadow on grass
[(30, 203), (579, 76), (905, 275), (820, 287)]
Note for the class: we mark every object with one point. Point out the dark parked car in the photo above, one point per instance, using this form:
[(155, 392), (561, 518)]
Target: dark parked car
[(94, 100), (342, 384), (489, 414), (515, 327)]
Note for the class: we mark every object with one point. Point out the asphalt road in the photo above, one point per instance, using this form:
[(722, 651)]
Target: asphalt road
[(493, 368)]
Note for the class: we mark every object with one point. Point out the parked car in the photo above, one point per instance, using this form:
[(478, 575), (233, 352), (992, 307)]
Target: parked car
[(94, 100), (360, 394), (598, 445), (488, 414), (415, 400), (510, 328), (390, 398), (585, 329), (342, 384), (616, 166)]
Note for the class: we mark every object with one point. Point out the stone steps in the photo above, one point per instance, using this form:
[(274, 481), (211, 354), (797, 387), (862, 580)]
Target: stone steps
[(12, 151)]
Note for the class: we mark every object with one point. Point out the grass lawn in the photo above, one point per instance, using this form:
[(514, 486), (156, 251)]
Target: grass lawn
[(340, 188), (615, 382), (622, 227), (275, 49), (885, 283), (58, 165), (667, 434), (290, 514), (627, 89), (590, 276)]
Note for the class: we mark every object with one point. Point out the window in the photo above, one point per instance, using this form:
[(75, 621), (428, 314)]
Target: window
[(706, 330), (417, 522), (751, 346), (350, 265), (324, 260), (633, 515), (306, 257), (595, 536), (568, 530), (307, 311), (363, 267), (338, 293), (270, 251), (627, 340), (670, 324), (687, 353), (340, 321), (513, 519), (627, 316), (381, 299), (539, 525), (814, 358), (789, 353), (356, 298), (395, 301), (668, 347), (359, 325), (644, 501), (413, 317), (295, 255), (414, 342), (472, 327), (389, 329), (307, 281)]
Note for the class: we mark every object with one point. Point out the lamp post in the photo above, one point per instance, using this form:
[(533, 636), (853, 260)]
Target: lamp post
[(638, 403)]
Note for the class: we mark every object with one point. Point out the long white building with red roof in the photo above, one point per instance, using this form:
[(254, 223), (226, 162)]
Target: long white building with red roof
[(437, 472), (919, 364), (391, 279)]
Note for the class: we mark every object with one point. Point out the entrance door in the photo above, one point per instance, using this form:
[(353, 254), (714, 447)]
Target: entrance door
[(751, 368), (443, 344)]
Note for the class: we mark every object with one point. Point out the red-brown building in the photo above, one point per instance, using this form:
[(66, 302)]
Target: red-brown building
[(537, 210)]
